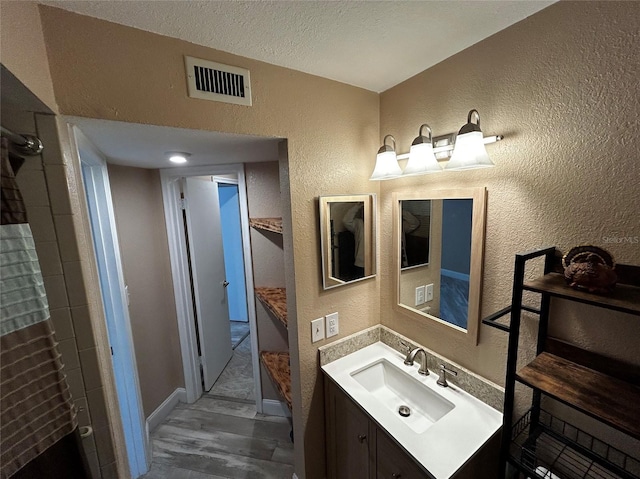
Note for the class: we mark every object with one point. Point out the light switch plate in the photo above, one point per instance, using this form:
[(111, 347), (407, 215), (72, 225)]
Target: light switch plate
[(419, 295), (317, 330), (429, 289), (332, 324)]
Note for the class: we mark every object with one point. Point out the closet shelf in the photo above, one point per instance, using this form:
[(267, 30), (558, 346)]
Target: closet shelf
[(275, 300), (269, 224), (277, 365), (624, 298), (611, 400)]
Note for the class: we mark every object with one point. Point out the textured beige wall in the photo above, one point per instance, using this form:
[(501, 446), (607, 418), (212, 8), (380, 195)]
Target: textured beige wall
[(263, 197), (139, 215), (562, 86), (22, 48), (120, 73)]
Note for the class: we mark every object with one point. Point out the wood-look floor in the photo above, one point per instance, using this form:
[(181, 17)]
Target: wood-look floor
[(221, 438), (221, 435)]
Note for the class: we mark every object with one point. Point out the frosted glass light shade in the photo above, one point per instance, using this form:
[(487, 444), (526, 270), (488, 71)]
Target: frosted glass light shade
[(469, 152), (422, 160), (386, 166)]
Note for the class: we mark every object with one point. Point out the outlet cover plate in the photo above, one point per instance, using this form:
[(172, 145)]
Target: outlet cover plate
[(317, 330), (429, 290), (332, 323)]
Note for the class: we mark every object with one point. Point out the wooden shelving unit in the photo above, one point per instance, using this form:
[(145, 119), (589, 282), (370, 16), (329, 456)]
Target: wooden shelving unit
[(277, 365), (606, 398), (624, 298), (275, 300), (603, 388), (268, 224)]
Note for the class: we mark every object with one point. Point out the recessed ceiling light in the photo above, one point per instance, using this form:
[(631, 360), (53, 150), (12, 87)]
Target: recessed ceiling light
[(177, 156)]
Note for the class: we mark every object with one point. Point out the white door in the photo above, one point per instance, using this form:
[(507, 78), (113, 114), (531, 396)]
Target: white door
[(208, 274)]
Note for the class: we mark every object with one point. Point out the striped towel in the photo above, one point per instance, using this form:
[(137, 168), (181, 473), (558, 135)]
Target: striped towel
[(36, 409)]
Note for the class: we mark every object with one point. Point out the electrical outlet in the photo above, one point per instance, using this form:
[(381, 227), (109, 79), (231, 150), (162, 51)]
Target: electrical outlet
[(419, 295), (317, 330), (332, 324), (429, 289)]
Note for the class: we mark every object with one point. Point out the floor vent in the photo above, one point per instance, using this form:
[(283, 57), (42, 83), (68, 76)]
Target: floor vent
[(217, 82)]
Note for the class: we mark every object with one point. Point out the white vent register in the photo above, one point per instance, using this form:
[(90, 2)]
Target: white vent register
[(217, 82)]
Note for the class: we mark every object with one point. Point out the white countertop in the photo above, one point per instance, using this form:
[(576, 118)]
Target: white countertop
[(449, 442)]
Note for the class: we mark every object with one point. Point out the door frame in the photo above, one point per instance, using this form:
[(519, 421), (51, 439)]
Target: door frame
[(221, 180), (170, 179), (97, 189)]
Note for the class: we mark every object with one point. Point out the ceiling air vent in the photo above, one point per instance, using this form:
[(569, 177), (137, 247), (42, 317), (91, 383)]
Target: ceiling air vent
[(217, 82)]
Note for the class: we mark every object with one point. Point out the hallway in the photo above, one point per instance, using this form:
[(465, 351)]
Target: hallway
[(221, 435), (221, 438)]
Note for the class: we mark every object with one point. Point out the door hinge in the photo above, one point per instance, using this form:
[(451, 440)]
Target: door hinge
[(111, 347), (183, 203)]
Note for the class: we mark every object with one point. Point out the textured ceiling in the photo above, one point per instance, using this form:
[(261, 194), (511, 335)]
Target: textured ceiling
[(370, 44)]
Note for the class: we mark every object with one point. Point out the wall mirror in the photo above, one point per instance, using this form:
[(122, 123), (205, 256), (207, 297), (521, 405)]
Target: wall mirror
[(347, 238), (438, 255)]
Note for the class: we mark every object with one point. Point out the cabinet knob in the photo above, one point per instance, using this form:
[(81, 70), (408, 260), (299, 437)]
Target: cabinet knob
[(396, 475), (362, 437)]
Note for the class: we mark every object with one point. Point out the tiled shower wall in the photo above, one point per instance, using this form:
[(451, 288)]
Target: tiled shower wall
[(42, 181)]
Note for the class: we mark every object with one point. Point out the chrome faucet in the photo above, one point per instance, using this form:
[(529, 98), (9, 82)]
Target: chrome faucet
[(442, 380), (411, 356)]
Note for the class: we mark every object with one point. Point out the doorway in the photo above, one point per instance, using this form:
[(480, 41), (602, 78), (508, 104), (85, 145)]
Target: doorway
[(176, 198), (114, 294)]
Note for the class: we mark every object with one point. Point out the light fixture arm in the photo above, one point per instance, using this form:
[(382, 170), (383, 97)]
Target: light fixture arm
[(386, 147), (421, 138)]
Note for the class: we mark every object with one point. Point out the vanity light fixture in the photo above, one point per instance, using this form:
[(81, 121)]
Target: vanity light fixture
[(466, 149), (386, 162), (469, 151), (177, 156), (422, 159)]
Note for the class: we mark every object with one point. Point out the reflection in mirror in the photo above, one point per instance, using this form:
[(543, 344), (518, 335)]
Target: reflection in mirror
[(416, 233), (347, 235), (445, 283)]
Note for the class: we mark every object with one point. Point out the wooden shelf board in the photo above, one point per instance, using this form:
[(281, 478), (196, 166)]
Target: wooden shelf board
[(269, 224), (608, 399), (277, 365), (275, 300), (624, 298)]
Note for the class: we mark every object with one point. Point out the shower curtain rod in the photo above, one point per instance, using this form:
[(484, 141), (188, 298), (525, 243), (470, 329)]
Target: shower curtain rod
[(25, 144)]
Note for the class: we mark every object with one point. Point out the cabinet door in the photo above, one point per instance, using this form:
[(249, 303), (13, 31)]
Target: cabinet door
[(393, 462), (351, 438)]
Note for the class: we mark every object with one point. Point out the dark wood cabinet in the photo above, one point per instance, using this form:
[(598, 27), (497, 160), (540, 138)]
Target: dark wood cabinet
[(357, 448)]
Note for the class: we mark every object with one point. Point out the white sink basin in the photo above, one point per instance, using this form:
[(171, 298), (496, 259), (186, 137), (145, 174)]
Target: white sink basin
[(395, 388), (446, 425)]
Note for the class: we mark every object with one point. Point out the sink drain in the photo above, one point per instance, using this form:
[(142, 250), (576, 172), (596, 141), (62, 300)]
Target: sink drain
[(404, 411)]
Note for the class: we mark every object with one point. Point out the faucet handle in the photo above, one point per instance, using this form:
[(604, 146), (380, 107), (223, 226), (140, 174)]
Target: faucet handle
[(405, 346), (442, 380)]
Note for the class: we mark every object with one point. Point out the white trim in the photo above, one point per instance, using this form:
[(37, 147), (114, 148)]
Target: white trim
[(454, 274), (98, 192), (170, 179), (161, 412), (273, 407)]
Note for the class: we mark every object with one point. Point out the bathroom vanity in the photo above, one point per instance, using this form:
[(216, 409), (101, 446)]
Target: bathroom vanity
[(447, 433)]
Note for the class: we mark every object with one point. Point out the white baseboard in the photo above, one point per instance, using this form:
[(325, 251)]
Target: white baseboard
[(162, 411), (271, 407)]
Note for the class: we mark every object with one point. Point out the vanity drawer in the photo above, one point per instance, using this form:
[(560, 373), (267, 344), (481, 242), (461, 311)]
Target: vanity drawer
[(393, 462)]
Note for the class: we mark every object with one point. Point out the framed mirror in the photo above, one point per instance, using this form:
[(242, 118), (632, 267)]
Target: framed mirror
[(347, 238), (438, 240)]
